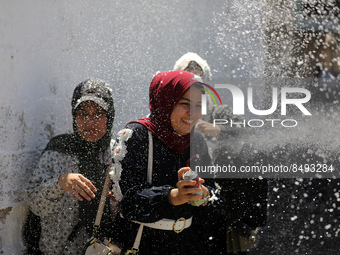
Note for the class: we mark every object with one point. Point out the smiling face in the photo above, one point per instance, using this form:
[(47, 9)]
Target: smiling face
[(187, 111), (91, 121)]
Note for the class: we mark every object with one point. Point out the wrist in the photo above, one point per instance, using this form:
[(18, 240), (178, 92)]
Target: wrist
[(60, 178), (173, 197)]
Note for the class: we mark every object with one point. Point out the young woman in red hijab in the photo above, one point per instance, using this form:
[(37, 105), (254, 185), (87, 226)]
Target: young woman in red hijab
[(162, 204)]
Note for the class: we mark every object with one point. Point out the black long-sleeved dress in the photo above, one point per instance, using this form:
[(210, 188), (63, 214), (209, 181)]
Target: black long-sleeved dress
[(145, 202)]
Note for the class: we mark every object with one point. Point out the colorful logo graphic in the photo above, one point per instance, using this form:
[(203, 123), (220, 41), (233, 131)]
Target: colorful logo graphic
[(204, 97)]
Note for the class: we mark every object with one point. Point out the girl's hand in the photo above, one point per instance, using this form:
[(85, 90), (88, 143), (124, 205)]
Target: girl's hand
[(207, 128), (185, 189), (79, 186)]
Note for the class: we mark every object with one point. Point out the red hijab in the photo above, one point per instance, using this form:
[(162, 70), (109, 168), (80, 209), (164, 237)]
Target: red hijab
[(166, 89)]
